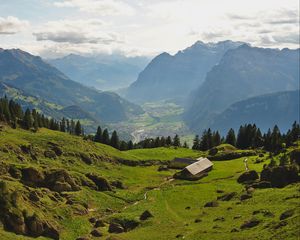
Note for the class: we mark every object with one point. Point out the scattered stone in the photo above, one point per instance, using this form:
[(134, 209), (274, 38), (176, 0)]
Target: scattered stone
[(101, 183), (237, 216), (250, 190), (99, 223), (82, 238), (50, 154), (198, 220), (234, 230), (266, 213), (287, 214), (227, 197), (245, 197), (15, 172), (92, 220), (118, 184), (229, 208), (188, 208), (85, 158), (250, 223), (220, 191), (34, 196), (115, 228), (179, 236), (248, 177), (212, 204), (96, 233), (216, 227), (145, 215), (280, 224), (163, 168), (222, 219)]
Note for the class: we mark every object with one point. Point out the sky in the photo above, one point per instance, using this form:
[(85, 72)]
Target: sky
[(54, 28)]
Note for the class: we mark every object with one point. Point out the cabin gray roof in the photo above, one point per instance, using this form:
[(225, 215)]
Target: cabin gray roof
[(201, 165)]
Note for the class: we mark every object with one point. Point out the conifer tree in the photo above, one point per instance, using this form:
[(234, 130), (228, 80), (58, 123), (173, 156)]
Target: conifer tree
[(27, 120), (114, 141), (196, 143), (98, 135), (78, 129), (230, 137), (130, 145), (176, 141), (105, 137)]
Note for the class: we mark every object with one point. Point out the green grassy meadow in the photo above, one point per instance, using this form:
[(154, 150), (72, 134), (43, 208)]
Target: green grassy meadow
[(177, 206)]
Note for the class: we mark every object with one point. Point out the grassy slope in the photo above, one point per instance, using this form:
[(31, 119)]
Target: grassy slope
[(167, 202)]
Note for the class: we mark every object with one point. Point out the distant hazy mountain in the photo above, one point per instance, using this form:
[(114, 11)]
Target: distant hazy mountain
[(104, 72), (173, 77), (265, 111), (37, 78), (242, 73)]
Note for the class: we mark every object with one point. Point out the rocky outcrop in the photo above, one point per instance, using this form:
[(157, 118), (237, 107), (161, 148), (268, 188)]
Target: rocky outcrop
[(101, 183), (248, 177)]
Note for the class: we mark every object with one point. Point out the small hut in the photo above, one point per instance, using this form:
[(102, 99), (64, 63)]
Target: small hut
[(195, 170)]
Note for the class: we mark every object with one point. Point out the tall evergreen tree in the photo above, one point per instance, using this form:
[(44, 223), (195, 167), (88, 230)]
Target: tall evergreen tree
[(27, 120), (176, 141), (196, 143), (230, 137), (78, 129), (114, 141), (98, 135), (105, 137)]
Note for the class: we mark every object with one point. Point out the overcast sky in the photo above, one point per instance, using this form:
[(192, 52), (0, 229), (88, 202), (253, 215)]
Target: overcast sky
[(54, 28)]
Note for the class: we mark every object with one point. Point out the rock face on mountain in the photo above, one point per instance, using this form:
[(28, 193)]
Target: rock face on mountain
[(280, 109), (32, 75), (105, 72), (173, 77), (242, 73)]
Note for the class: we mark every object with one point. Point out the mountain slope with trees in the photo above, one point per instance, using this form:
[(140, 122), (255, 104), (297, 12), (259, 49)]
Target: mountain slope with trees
[(267, 110), (35, 77), (242, 73)]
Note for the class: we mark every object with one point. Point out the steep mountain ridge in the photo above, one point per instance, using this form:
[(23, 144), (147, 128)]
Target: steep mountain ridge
[(173, 77), (242, 73)]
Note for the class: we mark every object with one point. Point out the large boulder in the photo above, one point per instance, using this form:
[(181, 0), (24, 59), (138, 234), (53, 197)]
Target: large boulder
[(101, 183), (248, 177), (212, 204), (115, 228), (60, 181), (32, 177), (14, 221), (280, 176)]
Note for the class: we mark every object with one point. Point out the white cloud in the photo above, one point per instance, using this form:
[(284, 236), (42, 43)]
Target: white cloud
[(12, 25), (76, 32), (101, 7)]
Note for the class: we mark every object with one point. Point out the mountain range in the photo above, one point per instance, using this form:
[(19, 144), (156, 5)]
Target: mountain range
[(32, 76), (242, 73), (174, 77), (104, 72)]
